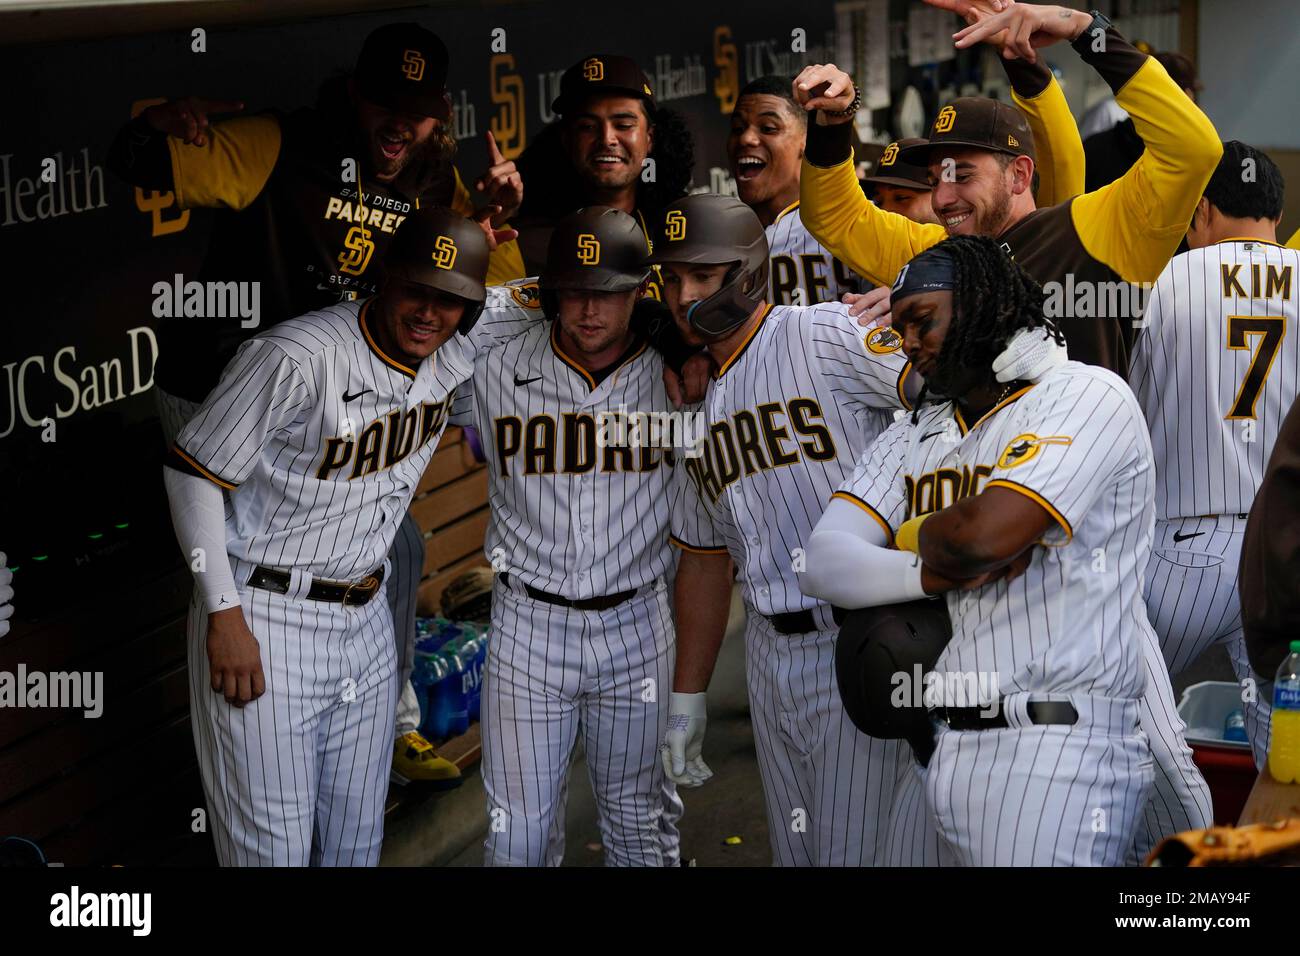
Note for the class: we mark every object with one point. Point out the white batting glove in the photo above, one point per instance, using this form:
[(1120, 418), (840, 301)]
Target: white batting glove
[(6, 595), (1030, 354), (684, 741)]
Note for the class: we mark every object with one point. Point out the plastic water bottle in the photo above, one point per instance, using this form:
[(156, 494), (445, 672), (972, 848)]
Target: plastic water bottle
[(1234, 728), (1284, 742)]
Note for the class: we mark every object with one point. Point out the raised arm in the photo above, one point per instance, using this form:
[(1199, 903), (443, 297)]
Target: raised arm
[(1059, 148), (175, 147), (873, 243), (1134, 224)]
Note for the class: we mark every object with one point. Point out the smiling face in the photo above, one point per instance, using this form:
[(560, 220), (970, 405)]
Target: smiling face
[(974, 190), (393, 139), (764, 148), (608, 141), (924, 320), (414, 320), (684, 284)]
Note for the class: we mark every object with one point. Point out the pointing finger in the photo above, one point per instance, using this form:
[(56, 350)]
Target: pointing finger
[(493, 152)]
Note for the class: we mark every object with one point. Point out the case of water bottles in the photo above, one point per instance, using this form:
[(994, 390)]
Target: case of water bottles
[(448, 671)]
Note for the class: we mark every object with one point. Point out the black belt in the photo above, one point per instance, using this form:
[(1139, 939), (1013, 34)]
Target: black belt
[(352, 595), (793, 622), (978, 718), (578, 604)]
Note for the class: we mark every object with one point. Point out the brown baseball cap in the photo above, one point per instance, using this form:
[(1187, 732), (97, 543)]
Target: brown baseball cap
[(403, 67), (978, 122), (892, 170), (602, 74)]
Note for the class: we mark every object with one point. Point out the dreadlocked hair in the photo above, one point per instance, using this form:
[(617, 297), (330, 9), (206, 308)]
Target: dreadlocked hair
[(993, 298)]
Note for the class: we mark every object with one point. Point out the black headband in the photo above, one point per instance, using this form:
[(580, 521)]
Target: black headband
[(930, 271)]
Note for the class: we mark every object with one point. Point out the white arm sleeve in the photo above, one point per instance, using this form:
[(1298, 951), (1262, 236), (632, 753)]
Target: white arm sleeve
[(849, 564), (198, 515)]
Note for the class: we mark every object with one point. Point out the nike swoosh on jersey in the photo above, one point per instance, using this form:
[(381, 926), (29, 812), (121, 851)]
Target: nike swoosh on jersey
[(520, 382), (1183, 537), (356, 395), (932, 434)]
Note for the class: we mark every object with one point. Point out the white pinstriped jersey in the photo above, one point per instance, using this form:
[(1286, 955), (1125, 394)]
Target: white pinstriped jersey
[(322, 438), (788, 415), (1076, 444), (1215, 368), (798, 262), (577, 508)]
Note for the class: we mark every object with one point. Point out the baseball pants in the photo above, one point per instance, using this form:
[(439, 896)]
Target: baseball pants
[(1180, 797), (828, 787), (670, 837), (913, 837), (299, 776), (1036, 795), (406, 559), (552, 674), (1191, 595)]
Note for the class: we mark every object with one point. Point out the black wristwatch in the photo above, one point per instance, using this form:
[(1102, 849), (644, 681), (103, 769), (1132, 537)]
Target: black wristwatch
[(1099, 22)]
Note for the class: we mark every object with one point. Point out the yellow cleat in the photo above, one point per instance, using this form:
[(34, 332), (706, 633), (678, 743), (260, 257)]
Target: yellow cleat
[(415, 761)]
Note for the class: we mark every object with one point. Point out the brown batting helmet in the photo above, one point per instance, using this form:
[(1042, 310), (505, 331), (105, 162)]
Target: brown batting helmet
[(598, 249), (715, 230), (445, 251)]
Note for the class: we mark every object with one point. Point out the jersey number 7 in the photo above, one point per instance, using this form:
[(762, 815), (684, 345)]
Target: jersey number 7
[(1240, 329)]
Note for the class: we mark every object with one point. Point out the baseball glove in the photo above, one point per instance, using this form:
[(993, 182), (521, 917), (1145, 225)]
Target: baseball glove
[(1259, 844), (469, 597)]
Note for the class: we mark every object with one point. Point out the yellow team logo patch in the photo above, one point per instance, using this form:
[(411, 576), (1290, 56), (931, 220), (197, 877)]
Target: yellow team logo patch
[(889, 155), (648, 91), (883, 341), (593, 71), (947, 116), (588, 249), (1024, 448), (1012, 141), (444, 252), (412, 65), (526, 294), (675, 225), (357, 250)]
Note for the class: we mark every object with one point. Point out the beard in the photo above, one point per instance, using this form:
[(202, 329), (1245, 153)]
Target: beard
[(437, 147), (990, 220)]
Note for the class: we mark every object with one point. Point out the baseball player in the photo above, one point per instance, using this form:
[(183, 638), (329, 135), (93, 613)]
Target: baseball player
[(1044, 668), (898, 186), (582, 635), (981, 157), (1215, 368), (613, 145), (799, 393), (764, 148), (610, 132), (290, 221), (319, 431)]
